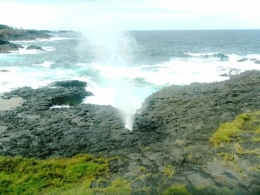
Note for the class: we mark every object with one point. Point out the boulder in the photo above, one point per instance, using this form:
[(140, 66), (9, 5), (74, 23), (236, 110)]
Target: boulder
[(34, 47)]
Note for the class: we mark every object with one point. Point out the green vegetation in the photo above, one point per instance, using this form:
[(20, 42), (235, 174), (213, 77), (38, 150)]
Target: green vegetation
[(142, 169), (168, 171), (117, 187), (29, 176), (2, 26), (244, 122), (242, 137), (79, 175), (177, 190)]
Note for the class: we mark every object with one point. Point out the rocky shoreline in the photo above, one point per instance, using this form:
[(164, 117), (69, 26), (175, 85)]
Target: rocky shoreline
[(10, 34), (171, 138), (7, 47)]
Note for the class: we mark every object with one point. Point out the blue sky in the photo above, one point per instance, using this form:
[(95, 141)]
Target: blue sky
[(131, 15)]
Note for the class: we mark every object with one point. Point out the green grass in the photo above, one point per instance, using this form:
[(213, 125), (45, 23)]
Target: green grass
[(29, 176), (168, 171), (247, 122), (228, 130), (177, 190), (117, 187)]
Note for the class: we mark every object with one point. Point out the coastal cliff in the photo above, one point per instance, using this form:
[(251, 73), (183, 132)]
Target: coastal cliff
[(201, 138)]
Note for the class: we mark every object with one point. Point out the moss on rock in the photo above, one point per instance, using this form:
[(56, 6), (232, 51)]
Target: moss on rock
[(177, 190), (29, 176), (246, 122)]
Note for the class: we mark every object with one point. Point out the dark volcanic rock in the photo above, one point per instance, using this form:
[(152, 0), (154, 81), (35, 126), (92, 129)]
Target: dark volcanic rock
[(83, 128), (34, 47), (6, 47), (44, 98), (256, 61), (242, 60), (189, 116), (60, 132), (198, 109), (70, 83), (169, 143)]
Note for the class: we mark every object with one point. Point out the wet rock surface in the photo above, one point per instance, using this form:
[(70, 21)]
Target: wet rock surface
[(6, 46), (8, 33), (81, 128), (170, 142), (34, 47)]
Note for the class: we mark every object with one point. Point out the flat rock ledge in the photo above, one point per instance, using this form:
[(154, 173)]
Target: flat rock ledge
[(170, 142)]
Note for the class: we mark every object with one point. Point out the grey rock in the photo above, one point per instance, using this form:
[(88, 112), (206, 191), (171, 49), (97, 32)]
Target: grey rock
[(171, 132), (222, 175), (6, 47), (70, 83), (34, 47), (199, 181)]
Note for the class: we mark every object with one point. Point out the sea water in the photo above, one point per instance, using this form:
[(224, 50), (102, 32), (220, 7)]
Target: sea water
[(123, 68)]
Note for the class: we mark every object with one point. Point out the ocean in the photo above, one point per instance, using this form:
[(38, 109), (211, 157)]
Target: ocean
[(123, 68)]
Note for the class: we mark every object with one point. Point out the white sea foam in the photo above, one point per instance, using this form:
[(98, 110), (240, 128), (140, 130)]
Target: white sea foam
[(199, 54), (48, 48), (117, 89), (172, 72), (81, 64), (102, 95), (59, 106), (23, 50), (59, 38), (16, 77), (31, 41), (253, 56), (121, 85), (29, 51), (55, 38), (45, 64)]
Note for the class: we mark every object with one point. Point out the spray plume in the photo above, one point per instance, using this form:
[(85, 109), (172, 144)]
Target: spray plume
[(112, 47)]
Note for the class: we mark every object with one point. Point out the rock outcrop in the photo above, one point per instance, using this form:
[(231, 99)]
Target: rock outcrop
[(190, 116), (174, 144), (82, 128), (256, 61), (6, 46), (11, 34), (34, 47)]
